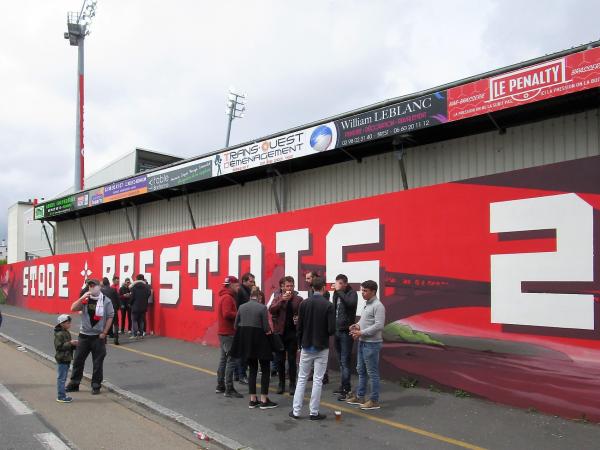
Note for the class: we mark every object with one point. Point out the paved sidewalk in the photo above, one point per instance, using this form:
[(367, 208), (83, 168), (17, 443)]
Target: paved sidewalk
[(21, 428), (180, 376), (108, 422)]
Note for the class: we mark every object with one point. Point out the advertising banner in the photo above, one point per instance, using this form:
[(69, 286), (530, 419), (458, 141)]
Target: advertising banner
[(289, 146), (180, 174), (57, 207), (572, 73), (39, 212), (82, 200), (491, 287), (127, 188), (404, 117), (97, 196)]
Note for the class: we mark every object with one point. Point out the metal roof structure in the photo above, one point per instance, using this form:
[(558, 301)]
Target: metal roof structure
[(529, 110)]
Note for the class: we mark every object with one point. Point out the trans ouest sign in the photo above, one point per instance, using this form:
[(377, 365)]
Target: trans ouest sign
[(490, 284)]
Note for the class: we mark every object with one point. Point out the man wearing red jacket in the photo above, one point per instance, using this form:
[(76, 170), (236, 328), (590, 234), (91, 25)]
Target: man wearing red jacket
[(226, 313)]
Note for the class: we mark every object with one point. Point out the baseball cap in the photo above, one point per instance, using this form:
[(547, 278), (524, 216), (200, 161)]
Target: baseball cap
[(63, 318), (230, 279)]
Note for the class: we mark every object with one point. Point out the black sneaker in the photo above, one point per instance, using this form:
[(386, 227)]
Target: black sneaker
[(243, 380), (344, 396), (339, 391), (72, 388), (220, 390), (95, 391), (293, 416), (268, 405), (232, 393), (253, 404), (317, 416)]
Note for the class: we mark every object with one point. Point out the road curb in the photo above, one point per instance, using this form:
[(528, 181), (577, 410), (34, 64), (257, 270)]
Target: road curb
[(160, 410)]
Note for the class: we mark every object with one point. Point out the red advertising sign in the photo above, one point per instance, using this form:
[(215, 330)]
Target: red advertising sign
[(490, 285), (562, 76)]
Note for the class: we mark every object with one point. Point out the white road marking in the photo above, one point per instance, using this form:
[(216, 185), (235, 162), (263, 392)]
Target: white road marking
[(13, 402), (51, 441)]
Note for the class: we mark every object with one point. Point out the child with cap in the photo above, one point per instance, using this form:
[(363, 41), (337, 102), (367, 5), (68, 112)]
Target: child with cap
[(64, 345)]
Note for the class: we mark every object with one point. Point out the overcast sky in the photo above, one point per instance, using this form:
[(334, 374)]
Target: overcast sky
[(157, 73)]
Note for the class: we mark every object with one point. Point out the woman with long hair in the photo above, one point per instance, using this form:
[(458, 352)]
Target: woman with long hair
[(251, 344)]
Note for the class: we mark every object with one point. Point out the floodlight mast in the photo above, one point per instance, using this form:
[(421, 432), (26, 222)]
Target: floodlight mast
[(78, 27), (236, 107)]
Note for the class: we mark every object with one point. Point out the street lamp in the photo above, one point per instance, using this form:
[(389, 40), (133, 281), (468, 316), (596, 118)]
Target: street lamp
[(78, 26), (236, 107)]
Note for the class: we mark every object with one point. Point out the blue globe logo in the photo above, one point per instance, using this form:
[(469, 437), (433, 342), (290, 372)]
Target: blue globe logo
[(320, 138)]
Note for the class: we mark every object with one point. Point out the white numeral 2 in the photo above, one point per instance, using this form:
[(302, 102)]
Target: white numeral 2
[(573, 220)]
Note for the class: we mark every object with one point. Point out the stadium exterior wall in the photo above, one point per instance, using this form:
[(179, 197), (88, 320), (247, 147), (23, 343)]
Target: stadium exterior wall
[(491, 284), (555, 140)]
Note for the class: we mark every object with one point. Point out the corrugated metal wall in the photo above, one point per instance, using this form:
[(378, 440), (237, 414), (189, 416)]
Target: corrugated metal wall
[(564, 138)]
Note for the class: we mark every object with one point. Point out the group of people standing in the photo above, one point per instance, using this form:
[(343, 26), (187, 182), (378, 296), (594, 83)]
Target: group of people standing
[(133, 301), (254, 335)]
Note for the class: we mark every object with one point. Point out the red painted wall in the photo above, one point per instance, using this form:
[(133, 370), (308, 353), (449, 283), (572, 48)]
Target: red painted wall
[(520, 331)]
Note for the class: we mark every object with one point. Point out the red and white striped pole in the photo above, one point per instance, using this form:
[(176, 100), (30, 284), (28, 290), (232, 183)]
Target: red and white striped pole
[(78, 28), (79, 146)]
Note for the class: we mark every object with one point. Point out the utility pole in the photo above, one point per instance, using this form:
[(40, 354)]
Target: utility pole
[(78, 26), (236, 107)]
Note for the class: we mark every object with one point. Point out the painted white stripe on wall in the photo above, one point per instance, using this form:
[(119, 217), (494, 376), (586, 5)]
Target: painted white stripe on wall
[(51, 441), (13, 402)]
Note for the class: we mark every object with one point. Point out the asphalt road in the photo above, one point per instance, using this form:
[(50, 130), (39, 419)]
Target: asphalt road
[(180, 376)]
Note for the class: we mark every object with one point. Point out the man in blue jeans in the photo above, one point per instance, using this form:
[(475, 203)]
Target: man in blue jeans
[(345, 300), (368, 331)]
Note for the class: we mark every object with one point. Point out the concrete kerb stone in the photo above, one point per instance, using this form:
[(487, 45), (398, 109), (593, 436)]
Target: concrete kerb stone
[(160, 410)]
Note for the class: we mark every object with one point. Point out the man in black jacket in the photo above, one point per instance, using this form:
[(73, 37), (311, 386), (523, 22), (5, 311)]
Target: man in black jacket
[(316, 323), (345, 300), (243, 296), (140, 293), (113, 295), (309, 277), (125, 297)]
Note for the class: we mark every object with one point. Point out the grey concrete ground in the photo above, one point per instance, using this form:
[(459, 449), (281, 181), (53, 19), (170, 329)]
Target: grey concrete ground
[(89, 422), (180, 376), (18, 432)]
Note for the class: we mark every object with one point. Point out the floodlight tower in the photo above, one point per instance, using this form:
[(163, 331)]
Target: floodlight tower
[(78, 26), (236, 107)]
